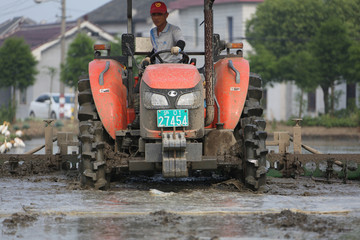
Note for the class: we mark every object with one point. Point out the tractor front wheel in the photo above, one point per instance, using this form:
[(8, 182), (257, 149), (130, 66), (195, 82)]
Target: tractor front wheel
[(91, 136), (252, 137)]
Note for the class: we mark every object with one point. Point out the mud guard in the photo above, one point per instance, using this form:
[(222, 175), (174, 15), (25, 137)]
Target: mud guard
[(231, 87), (109, 93)]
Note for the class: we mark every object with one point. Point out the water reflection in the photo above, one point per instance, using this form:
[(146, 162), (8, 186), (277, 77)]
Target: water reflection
[(335, 145), (340, 146), (36, 142)]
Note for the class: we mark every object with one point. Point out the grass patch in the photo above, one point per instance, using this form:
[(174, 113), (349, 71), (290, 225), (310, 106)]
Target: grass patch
[(342, 118)]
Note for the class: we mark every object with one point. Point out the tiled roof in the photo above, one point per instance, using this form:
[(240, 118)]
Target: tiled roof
[(13, 24), (116, 11), (44, 36), (36, 35), (181, 4)]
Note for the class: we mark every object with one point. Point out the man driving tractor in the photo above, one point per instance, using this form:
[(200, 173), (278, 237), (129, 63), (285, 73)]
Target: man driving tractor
[(164, 126), (164, 35)]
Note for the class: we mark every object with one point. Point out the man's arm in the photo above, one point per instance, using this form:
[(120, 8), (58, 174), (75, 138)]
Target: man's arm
[(180, 44), (179, 39), (151, 53), (146, 60)]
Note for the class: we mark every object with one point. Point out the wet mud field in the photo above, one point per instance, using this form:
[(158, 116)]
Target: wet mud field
[(54, 206)]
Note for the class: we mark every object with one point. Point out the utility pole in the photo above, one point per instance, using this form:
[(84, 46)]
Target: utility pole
[(62, 62), (62, 54)]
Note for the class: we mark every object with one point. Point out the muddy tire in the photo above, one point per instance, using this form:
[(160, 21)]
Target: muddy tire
[(91, 137), (252, 137)]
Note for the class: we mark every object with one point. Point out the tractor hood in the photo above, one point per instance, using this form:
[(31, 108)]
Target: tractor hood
[(171, 76)]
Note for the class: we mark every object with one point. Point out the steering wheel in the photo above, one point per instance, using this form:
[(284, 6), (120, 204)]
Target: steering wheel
[(184, 59)]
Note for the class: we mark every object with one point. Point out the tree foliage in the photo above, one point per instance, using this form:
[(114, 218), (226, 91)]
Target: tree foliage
[(283, 26), (18, 65), (116, 49), (310, 42), (79, 54), (353, 66), (330, 47)]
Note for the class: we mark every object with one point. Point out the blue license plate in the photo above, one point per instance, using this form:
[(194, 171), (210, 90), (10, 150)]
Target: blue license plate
[(173, 118)]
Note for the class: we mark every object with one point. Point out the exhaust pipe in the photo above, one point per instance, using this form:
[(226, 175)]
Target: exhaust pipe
[(130, 63), (209, 61)]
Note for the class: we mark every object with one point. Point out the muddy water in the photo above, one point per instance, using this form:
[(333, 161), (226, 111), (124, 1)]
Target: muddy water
[(329, 145), (36, 142), (335, 145), (54, 207)]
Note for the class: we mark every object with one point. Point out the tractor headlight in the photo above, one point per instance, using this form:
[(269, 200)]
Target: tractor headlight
[(189, 100), (154, 100)]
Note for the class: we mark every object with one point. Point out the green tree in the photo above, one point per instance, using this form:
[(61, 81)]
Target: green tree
[(264, 62), (348, 12), (330, 47), (292, 39), (18, 66), (79, 54), (116, 49), (351, 9), (284, 26), (279, 33), (353, 68), (300, 67)]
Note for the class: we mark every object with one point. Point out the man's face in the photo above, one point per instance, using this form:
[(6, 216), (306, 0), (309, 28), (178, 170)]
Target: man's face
[(159, 19)]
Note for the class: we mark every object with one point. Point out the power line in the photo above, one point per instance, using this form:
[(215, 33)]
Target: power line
[(17, 10), (12, 4)]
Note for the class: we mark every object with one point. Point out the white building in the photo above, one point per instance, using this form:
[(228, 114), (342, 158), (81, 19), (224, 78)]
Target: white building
[(230, 18), (282, 100), (44, 41)]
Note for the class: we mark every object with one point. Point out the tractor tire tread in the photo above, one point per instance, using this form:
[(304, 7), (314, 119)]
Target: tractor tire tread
[(253, 136), (91, 137)]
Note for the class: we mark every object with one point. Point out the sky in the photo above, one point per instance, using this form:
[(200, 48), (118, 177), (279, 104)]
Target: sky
[(48, 11)]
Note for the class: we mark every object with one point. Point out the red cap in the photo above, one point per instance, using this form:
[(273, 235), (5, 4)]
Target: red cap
[(158, 7)]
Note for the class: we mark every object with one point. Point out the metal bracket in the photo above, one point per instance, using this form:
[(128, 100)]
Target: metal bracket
[(173, 155), (173, 141), (237, 74), (101, 76)]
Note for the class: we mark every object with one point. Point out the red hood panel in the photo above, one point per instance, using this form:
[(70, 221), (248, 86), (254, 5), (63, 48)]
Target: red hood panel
[(110, 98), (175, 76)]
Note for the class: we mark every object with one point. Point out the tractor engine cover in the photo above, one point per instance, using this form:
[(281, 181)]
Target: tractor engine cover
[(176, 89)]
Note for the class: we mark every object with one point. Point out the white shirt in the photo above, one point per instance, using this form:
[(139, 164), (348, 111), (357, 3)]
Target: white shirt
[(165, 41)]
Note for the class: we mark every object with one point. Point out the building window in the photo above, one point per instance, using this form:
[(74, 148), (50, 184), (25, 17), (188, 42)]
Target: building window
[(230, 28), (22, 96), (196, 35), (311, 102)]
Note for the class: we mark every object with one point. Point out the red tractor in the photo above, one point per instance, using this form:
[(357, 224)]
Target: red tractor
[(181, 120)]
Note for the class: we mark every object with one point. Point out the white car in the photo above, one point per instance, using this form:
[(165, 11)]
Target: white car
[(46, 107)]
